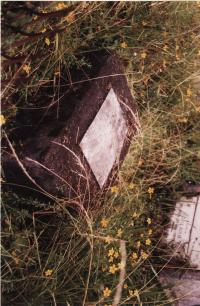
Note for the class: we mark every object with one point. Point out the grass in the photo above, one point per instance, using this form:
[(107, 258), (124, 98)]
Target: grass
[(51, 256)]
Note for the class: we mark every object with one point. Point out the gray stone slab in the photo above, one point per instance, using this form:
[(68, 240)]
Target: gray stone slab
[(185, 290), (103, 141), (184, 229), (184, 234)]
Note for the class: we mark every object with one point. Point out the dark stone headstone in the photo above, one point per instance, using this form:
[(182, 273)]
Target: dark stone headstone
[(78, 156)]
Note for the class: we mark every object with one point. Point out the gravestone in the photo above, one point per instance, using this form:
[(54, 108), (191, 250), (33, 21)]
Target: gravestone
[(183, 235), (80, 159), (184, 229)]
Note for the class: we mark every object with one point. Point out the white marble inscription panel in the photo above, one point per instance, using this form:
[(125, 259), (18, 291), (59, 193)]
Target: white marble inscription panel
[(103, 141), (184, 229)]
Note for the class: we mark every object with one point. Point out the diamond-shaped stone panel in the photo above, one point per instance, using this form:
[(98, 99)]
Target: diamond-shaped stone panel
[(103, 141)]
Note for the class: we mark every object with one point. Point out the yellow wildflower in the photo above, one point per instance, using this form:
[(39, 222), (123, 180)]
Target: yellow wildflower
[(111, 252), (48, 272), (143, 55), (116, 255), (130, 292), (144, 255), (108, 239), (131, 186), (111, 259), (119, 232), (135, 215), (114, 189), (151, 190), (189, 92), (106, 292), (113, 269), (35, 17), (104, 222), (149, 221), (60, 6), (138, 244), (134, 256), (121, 265), (125, 286), (26, 68), (123, 45), (150, 232), (136, 293), (47, 41), (44, 30), (148, 242), (2, 120)]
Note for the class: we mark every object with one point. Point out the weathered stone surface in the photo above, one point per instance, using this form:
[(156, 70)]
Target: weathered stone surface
[(184, 229), (103, 141), (184, 288), (184, 234)]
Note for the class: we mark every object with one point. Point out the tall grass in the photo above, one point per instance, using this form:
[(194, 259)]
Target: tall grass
[(51, 255)]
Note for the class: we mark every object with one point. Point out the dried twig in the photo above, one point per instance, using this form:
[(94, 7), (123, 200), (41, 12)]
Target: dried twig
[(122, 274), (25, 171)]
